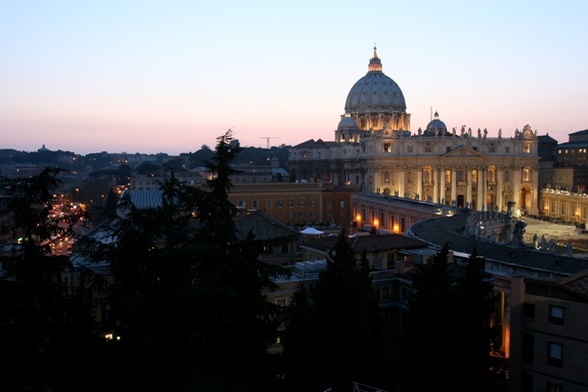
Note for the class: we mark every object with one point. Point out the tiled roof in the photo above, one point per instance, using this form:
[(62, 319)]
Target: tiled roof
[(311, 143), (263, 227), (372, 243), (449, 230), (145, 198)]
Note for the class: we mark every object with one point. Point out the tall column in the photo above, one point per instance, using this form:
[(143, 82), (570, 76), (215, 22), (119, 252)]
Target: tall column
[(517, 181), (469, 184), (436, 185), (401, 180), (453, 184), (481, 201), (500, 188), (535, 191), (419, 182)]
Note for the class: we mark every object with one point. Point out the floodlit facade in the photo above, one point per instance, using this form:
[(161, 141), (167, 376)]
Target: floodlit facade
[(375, 150)]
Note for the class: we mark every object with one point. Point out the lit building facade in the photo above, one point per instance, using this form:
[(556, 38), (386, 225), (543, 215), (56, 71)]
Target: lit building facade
[(375, 151)]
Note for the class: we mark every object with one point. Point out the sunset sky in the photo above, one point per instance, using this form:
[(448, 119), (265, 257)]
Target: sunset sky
[(170, 76)]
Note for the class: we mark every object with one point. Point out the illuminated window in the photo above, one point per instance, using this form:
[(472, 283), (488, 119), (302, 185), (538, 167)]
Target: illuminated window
[(428, 175), (492, 174), (526, 174)]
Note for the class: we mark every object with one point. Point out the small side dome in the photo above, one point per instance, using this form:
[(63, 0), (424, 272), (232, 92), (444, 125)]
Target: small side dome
[(436, 127), (347, 124)]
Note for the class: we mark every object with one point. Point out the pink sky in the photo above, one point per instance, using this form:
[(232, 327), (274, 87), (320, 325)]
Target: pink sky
[(171, 77)]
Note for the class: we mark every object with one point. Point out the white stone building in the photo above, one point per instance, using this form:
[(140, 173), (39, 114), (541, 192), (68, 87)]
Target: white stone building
[(375, 150)]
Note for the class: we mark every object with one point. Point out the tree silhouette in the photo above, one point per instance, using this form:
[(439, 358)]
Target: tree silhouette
[(448, 337), (43, 321), (342, 337), (186, 295)]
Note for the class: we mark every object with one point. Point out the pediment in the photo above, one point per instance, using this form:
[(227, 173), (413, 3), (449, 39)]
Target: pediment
[(464, 151)]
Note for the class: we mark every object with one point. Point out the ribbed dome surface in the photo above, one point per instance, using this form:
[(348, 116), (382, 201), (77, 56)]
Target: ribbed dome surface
[(347, 124), (375, 92)]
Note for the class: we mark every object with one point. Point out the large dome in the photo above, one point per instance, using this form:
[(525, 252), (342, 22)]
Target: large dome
[(375, 92)]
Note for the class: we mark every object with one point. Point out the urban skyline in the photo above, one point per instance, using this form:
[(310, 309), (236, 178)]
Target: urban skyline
[(170, 77)]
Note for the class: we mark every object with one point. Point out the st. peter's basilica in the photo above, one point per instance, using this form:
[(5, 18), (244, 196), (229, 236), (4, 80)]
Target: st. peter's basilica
[(375, 151)]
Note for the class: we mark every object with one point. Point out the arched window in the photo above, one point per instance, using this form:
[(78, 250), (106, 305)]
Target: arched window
[(386, 176), (491, 174), (474, 176), (427, 175), (447, 176)]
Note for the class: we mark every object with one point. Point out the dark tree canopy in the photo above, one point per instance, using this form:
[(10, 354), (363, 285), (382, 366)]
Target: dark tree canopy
[(336, 329), (448, 326)]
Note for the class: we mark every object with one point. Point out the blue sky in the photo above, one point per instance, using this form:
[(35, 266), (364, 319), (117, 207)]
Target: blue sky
[(170, 76)]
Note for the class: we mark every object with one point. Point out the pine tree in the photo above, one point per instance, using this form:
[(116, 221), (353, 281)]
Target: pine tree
[(42, 320), (345, 324), (474, 335), (187, 294), (448, 337), (427, 342)]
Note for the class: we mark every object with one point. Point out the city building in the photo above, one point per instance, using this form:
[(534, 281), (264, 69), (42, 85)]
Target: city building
[(375, 151), (541, 295), (297, 203), (387, 213), (569, 169)]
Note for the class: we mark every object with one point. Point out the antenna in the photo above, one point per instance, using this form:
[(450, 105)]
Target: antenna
[(268, 138)]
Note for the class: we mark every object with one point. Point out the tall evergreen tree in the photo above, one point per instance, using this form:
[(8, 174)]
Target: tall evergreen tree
[(476, 302), (428, 343), (42, 320), (345, 324), (448, 337), (301, 343), (244, 323), (187, 294)]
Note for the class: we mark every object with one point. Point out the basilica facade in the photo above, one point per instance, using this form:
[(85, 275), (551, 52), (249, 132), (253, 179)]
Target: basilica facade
[(375, 151)]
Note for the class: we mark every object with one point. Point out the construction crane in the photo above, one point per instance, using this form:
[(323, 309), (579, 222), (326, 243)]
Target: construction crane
[(268, 138)]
